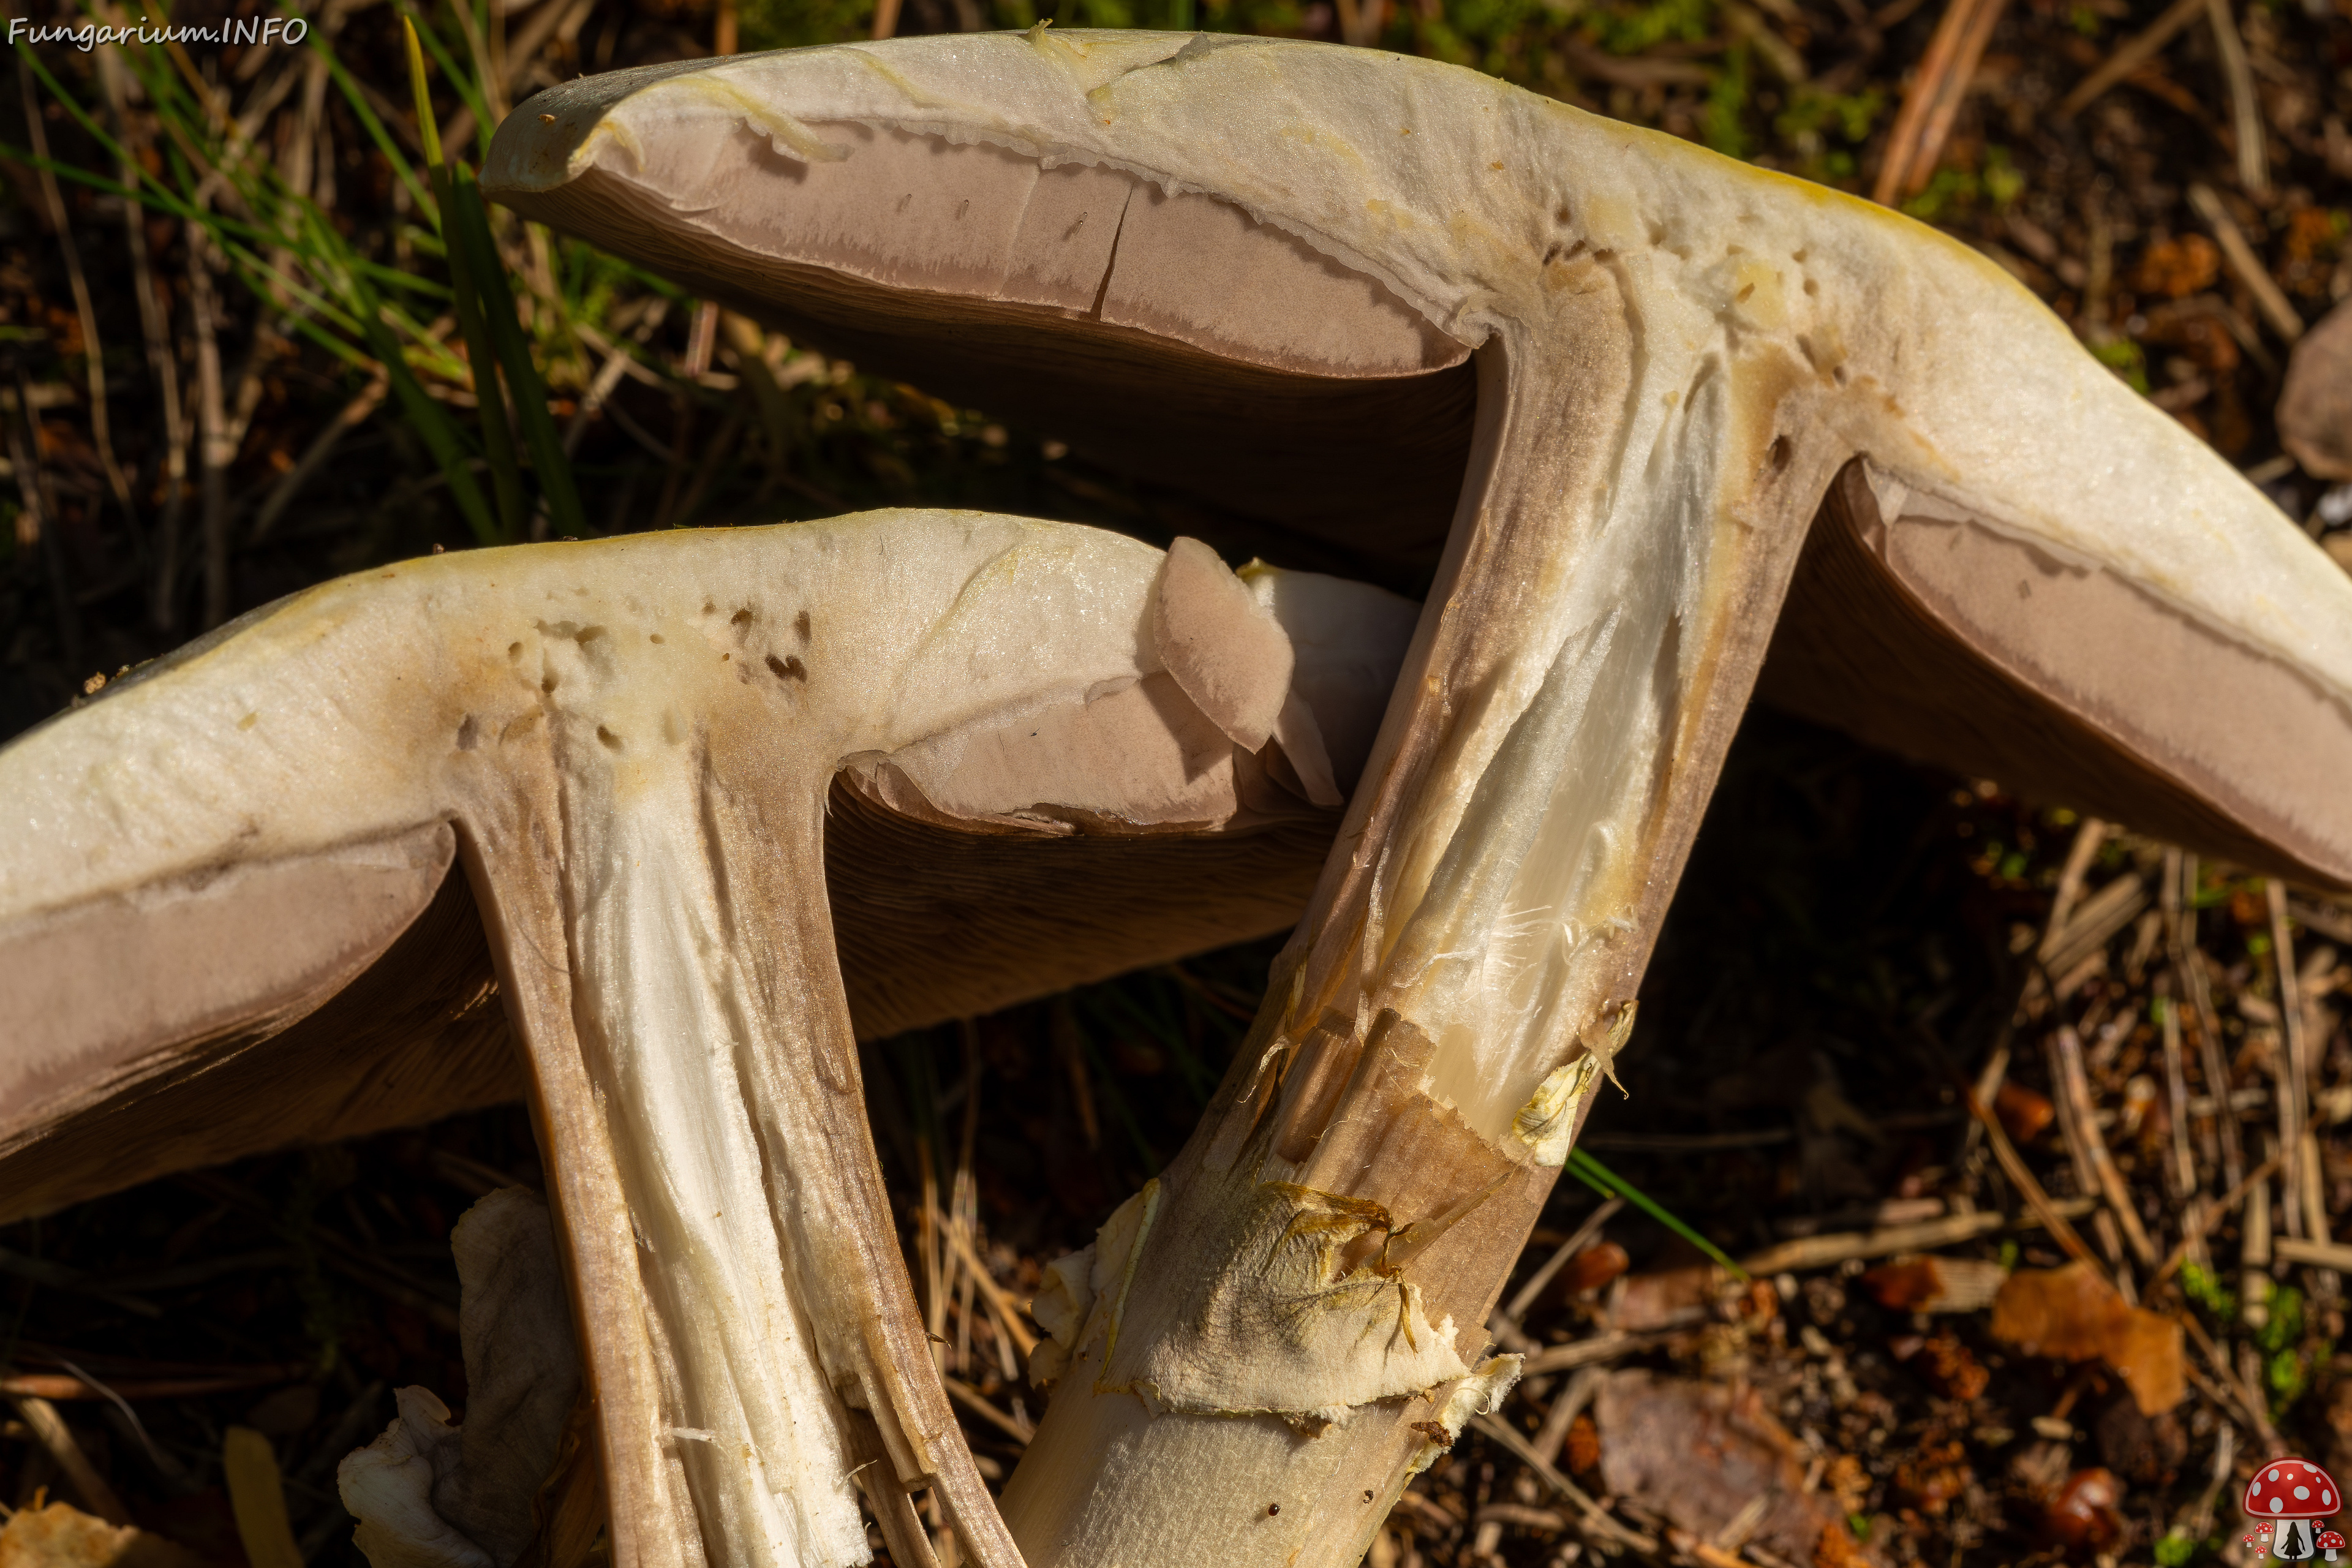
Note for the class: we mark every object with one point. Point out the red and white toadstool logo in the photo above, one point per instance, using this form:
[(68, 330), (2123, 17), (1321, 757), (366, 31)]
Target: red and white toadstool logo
[(2291, 1497)]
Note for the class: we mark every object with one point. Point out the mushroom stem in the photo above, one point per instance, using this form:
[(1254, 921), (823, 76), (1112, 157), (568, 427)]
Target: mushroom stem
[(1433, 1033), (698, 1075)]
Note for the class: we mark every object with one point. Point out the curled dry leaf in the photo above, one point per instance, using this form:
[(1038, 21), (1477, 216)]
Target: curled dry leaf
[(1923, 1283), (1589, 1270), (427, 1493), (59, 1535), (1670, 1298), (1698, 1455), (2073, 1314), (2023, 1112), (1944, 1363), (2315, 409), (2085, 1515)]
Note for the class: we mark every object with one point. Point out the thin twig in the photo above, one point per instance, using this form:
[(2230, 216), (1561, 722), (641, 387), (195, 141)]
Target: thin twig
[(101, 424), (2238, 252), (2250, 1407), (214, 452), (1596, 1517), (2013, 1166), (2192, 959), (2333, 1255), (2075, 1089), (1560, 1257), (1934, 97), (2328, 1266), (50, 1430), (2292, 1063), (2245, 109), (963, 1201), (161, 364), (55, 1386), (1001, 1305), (971, 1399), (2132, 54), (36, 522), (927, 1238), (2176, 1071), (2204, 1223), (1566, 1407), (352, 416), (1812, 1252), (1613, 1345)]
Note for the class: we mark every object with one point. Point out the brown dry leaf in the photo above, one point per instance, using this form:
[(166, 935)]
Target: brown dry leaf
[(2073, 1314), (1934, 1474), (1594, 1266), (2023, 1113), (2148, 1353), (62, 1536), (2178, 268), (1945, 1364), (2085, 1512), (1666, 1298), (2066, 1314), (430, 1495), (1699, 1454), (1917, 1283), (2315, 409)]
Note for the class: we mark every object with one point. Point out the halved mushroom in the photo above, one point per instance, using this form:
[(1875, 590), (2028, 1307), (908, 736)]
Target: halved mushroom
[(1695, 410), (226, 922)]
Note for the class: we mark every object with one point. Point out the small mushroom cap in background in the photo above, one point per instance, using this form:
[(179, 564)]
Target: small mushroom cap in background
[(2315, 407)]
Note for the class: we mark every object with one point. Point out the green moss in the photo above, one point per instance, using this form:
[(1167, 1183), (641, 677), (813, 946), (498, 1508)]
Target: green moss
[(1631, 29), (1721, 123), (2003, 181), (2202, 1286), (2125, 358), (1850, 116)]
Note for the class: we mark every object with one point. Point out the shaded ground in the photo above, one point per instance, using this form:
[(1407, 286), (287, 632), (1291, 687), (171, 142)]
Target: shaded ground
[(1848, 952)]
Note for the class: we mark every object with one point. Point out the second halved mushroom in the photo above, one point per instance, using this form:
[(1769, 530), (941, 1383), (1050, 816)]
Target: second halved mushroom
[(1696, 412), (633, 746)]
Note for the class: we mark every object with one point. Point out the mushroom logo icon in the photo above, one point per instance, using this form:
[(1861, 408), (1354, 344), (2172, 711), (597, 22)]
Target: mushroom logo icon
[(2292, 1496)]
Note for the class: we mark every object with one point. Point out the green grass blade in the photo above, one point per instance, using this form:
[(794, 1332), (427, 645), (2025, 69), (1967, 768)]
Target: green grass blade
[(466, 295), (467, 88), (471, 222), (1609, 1184), (428, 128), (433, 425), (497, 435), (383, 138)]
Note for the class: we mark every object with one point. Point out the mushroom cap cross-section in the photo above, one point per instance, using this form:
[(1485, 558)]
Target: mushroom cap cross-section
[(2292, 1489), (227, 922), (1642, 415)]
